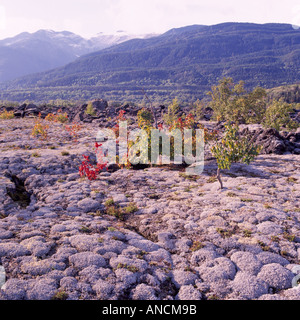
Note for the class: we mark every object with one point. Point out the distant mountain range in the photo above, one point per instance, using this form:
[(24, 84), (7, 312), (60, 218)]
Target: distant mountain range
[(182, 62), (43, 50)]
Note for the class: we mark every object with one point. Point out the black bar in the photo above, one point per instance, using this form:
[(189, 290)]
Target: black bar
[(133, 309)]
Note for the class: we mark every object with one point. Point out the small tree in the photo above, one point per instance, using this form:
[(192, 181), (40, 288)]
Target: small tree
[(145, 119), (278, 116), (172, 114), (198, 110), (231, 102), (224, 97), (233, 148), (253, 106)]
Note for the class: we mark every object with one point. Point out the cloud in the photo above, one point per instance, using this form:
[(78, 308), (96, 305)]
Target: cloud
[(161, 15), (89, 17), (296, 17), (74, 25), (2, 18)]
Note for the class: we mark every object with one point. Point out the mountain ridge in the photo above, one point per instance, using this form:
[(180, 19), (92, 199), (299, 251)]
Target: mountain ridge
[(28, 53), (185, 60)]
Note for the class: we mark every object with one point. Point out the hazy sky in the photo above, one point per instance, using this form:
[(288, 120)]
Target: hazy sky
[(89, 17)]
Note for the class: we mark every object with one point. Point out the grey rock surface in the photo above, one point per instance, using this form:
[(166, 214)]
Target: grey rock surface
[(187, 239)]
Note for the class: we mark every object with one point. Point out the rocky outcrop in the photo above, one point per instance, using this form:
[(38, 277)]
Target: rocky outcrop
[(274, 142), (99, 107), (103, 112)]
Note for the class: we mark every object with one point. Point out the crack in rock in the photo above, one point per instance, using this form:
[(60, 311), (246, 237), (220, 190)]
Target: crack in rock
[(19, 193)]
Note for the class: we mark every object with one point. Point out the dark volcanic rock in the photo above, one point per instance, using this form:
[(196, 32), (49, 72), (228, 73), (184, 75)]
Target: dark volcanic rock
[(19, 112), (32, 110), (102, 112), (99, 105), (274, 142)]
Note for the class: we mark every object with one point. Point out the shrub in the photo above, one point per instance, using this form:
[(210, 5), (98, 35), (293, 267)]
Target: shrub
[(109, 202), (131, 208), (73, 130), (6, 115), (60, 295), (90, 110), (233, 148), (86, 169), (51, 117), (197, 245), (113, 209), (85, 229), (40, 129), (62, 117)]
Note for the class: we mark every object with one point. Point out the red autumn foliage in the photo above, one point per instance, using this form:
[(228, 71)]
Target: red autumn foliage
[(86, 169)]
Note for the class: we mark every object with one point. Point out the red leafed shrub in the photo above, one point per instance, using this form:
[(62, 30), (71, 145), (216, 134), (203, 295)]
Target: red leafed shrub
[(73, 130), (86, 169)]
